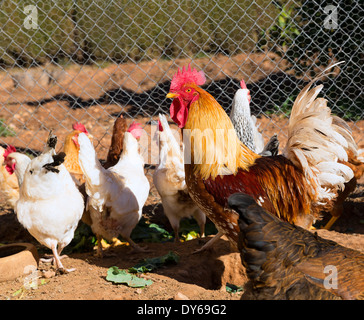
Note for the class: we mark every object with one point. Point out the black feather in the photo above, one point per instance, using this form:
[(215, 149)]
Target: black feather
[(52, 140), (58, 159), (271, 148)]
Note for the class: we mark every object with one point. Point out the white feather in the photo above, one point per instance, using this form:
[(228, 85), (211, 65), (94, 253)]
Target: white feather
[(169, 180), (317, 141), (50, 205), (117, 194)]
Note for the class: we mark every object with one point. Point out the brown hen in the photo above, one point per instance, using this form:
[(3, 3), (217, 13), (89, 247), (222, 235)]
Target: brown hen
[(116, 146), (71, 149), (357, 165), (287, 262)]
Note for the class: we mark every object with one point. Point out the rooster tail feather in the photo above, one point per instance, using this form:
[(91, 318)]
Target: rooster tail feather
[(317, 140)]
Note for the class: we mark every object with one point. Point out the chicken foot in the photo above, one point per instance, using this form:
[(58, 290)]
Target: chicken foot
[(114, 243), (51, 258), (58, 258), (209, 243), (330, 223), (136, 248)]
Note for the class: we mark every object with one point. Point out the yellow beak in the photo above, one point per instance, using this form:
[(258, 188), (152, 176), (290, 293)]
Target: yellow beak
[(172, 95)]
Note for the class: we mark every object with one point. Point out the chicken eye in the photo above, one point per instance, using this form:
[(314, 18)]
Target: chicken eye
[(188, 90)]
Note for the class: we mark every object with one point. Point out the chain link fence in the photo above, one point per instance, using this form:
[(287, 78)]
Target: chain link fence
[(90, 60)]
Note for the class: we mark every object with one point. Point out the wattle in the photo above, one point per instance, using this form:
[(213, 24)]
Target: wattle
[(11, 168), (179, 112)]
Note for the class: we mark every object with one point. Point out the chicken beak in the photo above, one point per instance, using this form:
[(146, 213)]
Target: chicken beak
[(172, 95)]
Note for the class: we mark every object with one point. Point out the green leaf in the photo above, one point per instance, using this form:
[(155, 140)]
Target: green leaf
[(17, 292), (149, 232), (6, 131), (116, 275), (150, 264), (191, 235), (232, 288)]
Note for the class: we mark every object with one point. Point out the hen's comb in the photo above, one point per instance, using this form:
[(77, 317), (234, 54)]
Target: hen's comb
[(8, 150), (136, 129), (188, 75), (79, 127), (243, 85)]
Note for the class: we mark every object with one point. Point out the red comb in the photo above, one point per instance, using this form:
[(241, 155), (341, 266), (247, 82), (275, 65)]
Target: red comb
[(160, 127), (243, 85), (8, 150), (136, 129), (188, 75), (79, 127)]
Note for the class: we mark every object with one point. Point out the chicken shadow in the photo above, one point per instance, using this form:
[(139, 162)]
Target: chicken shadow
[(266, 93), (211, 271), (28, 151), (204, 269)]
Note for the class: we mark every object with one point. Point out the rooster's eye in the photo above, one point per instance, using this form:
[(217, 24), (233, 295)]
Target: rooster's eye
[(188, 90)]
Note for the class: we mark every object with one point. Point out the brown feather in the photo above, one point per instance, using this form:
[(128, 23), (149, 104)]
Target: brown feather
[(287, 262), (281, 188), (71, 160), (116, 146)]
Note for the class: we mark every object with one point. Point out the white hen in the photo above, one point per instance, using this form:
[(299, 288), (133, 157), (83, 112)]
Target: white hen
[(246, 126), (50, 205), (116, 195), (169, 180)]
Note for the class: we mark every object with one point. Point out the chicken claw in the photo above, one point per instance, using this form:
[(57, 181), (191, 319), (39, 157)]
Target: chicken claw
[(209, 243)]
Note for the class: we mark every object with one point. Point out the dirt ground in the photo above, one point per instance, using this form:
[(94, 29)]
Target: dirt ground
[(94, 96)]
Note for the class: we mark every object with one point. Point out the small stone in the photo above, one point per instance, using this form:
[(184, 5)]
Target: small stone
[(180, 296), (48, 274)]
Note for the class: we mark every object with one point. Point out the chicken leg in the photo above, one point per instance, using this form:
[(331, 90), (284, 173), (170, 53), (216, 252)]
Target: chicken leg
[(330, 223), (57, 260), (209, 243), (136, 248)]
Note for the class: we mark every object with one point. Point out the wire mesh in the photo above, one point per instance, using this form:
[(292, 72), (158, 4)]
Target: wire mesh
[(90, 60)]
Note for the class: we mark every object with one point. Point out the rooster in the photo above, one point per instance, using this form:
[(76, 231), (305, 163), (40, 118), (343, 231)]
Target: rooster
[(50, 205), (288, 262), (71, 149), (294, 186), (169, 180), (116, 195), (8, 182), (245, 124)]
